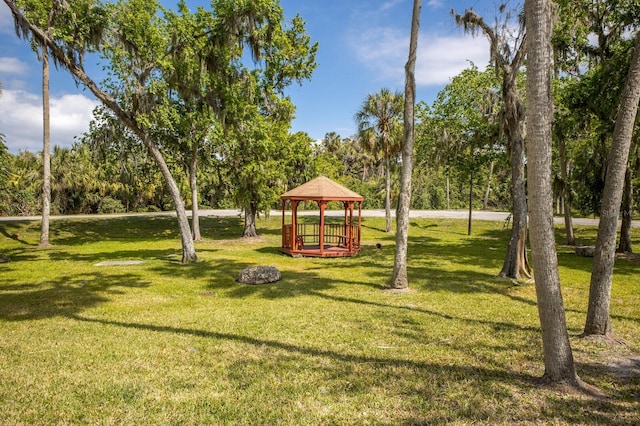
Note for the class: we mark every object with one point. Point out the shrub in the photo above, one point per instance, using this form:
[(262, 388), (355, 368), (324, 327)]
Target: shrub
[(110, 205)]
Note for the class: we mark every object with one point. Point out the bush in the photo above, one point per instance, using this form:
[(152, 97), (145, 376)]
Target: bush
[(110, 205), (25, 203), (149, 209)]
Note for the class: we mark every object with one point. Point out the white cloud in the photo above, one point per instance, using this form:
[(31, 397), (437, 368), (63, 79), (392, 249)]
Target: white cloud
[(12, 73), (12, 66), (389, 5), (435, 3), (21, 119), (442, 58), (384, 51)]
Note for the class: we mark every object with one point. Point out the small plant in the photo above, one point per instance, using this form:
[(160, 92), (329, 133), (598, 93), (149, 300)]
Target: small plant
[(110, 205)]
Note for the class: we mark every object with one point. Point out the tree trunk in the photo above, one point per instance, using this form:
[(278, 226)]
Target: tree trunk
[(399, 279), (387, 193), (46, 151), (516, 264), (448, 192), (568, 221), (598, 320), (470, 202), (566, 192), (193, 184), (560, 204), (508, 61), (188, 248), (624, 246), (249, 221), (558, 357), (485, 201)]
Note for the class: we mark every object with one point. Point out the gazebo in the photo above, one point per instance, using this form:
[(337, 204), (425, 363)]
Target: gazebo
[(319, 238)]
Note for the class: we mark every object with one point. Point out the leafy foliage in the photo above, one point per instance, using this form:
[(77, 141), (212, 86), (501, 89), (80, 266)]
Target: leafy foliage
[(457, 137)]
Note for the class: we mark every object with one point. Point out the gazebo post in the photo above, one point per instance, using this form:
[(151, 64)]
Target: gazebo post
[(323, 205), (294, 225), (283, 204), (359, 223), (350, 233), (345, 204)]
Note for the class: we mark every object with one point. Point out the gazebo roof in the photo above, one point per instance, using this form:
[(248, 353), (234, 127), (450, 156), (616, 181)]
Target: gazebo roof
[(321, 188)]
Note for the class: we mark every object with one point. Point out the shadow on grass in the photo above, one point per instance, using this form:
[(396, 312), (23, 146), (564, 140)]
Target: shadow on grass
[(136, 228), (293, 284), (495, 325), (60, 254), (428, 256), (221, 228), (433, 264), (272, 250), (62, 297), (312, 284), (352, 369), (78, 231), (12, 230), (216, 274), (305, 350)]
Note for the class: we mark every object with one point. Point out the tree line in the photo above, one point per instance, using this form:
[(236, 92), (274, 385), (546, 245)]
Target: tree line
[(462, 158)]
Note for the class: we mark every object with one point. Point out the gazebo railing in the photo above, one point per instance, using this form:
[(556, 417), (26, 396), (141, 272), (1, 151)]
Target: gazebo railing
[(286, 236), (308, 234)]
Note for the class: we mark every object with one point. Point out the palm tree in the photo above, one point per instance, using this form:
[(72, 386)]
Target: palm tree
[(399, 279), (558, 357), (46, 147), (380, 127), (3, 152), (56, 16), (598, 316)]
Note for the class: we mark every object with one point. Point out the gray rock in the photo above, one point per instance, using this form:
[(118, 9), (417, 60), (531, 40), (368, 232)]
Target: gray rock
[(4, 258), (585, 251), (259, 275)]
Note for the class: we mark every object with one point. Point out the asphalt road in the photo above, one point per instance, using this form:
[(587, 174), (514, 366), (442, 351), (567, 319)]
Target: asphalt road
[(445, 214)]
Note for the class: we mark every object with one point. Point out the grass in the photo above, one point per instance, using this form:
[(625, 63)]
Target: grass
[(164, 343)]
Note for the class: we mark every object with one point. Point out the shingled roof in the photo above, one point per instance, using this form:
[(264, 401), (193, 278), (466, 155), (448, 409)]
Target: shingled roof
[(321, 188)]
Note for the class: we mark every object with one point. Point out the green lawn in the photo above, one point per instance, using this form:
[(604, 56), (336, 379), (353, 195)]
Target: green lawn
[(165, 343)]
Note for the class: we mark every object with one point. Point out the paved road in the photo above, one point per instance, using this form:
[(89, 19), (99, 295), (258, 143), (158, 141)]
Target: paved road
[(464, 214), (447, 214)]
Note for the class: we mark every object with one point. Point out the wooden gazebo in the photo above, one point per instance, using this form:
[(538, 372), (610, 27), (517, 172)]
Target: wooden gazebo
[(321, 239)]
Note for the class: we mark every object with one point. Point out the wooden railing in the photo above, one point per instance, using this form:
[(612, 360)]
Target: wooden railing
[(308, 234), (286, 236)]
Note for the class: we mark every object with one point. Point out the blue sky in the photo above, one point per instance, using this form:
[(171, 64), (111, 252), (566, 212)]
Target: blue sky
[(363, 46)]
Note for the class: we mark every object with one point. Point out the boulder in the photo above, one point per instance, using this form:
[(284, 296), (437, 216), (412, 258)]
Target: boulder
[(585, 251), (4, 258), (259, 275)]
